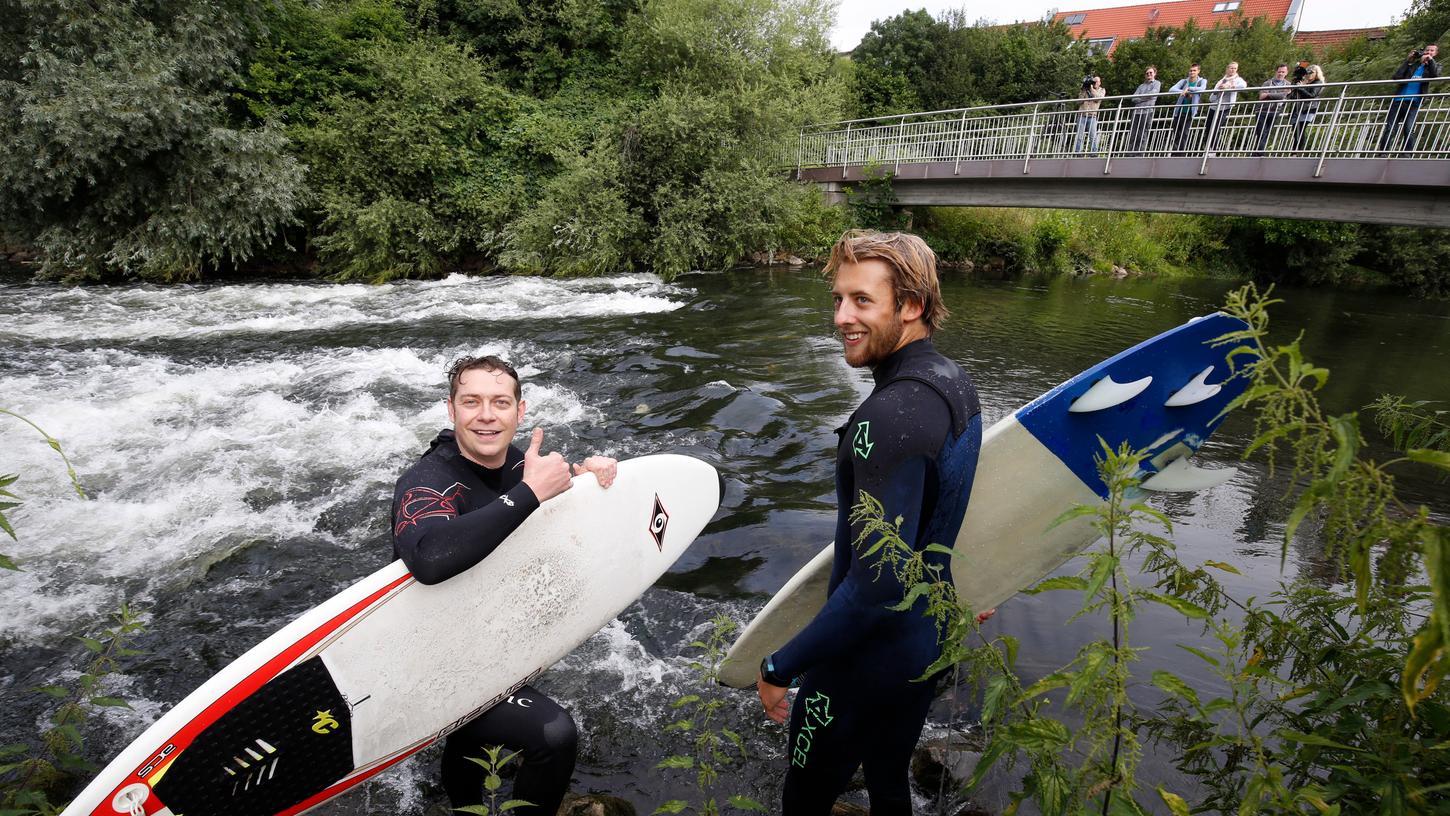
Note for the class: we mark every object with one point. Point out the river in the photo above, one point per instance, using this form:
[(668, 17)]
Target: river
[(240, 441)]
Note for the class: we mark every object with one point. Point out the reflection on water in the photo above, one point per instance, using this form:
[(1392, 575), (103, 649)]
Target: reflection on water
[(241, 441)]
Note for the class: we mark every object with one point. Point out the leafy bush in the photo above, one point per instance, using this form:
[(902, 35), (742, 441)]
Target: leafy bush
[(118, 156)]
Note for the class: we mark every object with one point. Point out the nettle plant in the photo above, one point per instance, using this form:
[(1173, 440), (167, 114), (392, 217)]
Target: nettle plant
[(1330, 698)]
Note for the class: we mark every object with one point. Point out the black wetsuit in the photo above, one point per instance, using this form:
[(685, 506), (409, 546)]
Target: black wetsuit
[(912, 445), (448, 514)]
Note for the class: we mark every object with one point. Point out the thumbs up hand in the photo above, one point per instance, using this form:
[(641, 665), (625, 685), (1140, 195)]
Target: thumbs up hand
[(545, 474)]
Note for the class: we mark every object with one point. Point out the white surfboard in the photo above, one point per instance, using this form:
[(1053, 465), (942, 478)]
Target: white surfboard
[(1165, 393), (389, 665)]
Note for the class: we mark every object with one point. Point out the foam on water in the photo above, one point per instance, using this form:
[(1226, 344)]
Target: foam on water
[(143, 313), (189, 458)]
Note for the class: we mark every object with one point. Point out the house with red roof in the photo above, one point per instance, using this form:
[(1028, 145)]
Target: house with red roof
[(1104, 29)]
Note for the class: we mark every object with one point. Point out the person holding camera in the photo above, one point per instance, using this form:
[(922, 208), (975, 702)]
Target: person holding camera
[(1305, 95), (1087, 116), (1276, 90), (1185, 108), (1141, 104), (1400, 118), (1220, 102)]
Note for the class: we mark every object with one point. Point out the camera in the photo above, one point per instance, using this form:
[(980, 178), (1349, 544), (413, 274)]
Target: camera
[(1300, 72), (1416, 55), (1087, 83)]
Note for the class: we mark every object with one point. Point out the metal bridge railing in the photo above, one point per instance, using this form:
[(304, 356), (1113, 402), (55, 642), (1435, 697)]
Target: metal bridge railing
[(1347, 120)]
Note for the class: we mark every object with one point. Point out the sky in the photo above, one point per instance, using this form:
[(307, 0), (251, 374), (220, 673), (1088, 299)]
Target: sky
[(854, 17)]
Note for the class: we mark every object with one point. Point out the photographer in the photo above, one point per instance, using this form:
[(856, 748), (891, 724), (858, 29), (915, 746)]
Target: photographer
[(1087, 118), (1400, 117), (1305, 94)]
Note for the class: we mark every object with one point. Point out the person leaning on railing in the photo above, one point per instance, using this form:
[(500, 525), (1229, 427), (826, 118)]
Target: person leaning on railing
[(1141, 104), (1220, 102), (1185, 108), (1276, 89), (1087, 117), (1400, 117), (1305, 103)]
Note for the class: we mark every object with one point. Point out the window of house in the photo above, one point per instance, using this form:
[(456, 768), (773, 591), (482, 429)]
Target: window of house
[(1076, 19), (1231, 5), (1100, 45)]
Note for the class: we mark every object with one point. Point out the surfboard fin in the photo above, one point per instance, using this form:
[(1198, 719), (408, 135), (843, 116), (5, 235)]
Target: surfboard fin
[(1182, 476), (1197, 390), (1106, 393)]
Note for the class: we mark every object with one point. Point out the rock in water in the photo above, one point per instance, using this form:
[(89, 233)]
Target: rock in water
[(595, 804), (954, 754)]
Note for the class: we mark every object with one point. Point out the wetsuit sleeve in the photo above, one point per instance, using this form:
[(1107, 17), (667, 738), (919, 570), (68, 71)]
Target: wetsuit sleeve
[(895, 439), (436, 541)]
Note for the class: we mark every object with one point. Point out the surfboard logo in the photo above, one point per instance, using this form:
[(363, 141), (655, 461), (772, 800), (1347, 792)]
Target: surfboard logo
[(324, 722), (861, 442), (659, 520)]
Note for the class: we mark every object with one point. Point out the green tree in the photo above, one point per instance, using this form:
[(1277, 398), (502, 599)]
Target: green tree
[(118, 155)]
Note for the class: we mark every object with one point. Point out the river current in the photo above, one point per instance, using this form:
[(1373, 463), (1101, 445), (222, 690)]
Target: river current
[(239, 443)]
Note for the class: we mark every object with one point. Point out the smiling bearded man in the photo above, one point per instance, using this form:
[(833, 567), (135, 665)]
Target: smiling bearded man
[(912, 445)]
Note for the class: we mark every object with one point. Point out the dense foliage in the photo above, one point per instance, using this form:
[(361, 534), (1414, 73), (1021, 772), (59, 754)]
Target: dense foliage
[(389, 138)]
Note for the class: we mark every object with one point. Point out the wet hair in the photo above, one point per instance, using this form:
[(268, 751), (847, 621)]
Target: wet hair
[(487, 362), (912, 265)]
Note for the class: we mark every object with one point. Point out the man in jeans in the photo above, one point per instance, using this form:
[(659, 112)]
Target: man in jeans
[(1185, 107), (1271, 98), (1142, 110), (1221, 101), (1400, 118)]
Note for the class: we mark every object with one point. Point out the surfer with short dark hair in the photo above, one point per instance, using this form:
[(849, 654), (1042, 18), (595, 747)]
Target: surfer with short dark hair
[(912, 445), (451, 509)]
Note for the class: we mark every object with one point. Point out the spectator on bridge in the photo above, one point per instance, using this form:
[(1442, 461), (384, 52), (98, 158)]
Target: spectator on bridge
[(1141, 104), (1400, 117), (1186, 106), (1092, 94), (1305, 104), (1220, 102), (1271, 98)]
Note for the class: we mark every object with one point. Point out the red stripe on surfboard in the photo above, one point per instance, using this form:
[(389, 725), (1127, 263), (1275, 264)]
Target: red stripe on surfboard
[(317, 799), (249, 684)]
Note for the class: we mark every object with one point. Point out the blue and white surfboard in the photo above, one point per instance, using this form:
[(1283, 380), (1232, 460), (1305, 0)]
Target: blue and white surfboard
[(1165, 395)]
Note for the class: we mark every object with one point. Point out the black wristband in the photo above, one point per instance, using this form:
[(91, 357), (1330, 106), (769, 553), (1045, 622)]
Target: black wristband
[(767, 673)]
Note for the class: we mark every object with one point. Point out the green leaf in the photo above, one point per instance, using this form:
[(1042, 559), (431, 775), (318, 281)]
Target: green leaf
[(58, 692), (686, 700), (992, 697), (912, 595), (1315, 739), (6, 563), (476, 810), (1424, 666), (745, 803), (994, 752), (673, 806), (1345, 428), (682, 762), (511, 804), (1176, 804), (1076, 512), (1199, 653), (941, 548), (92, 644), (1171, 683), (1060, 582), (1439, 459), (110, 702), (1219, 565), (1187, 609), (1103, 568)]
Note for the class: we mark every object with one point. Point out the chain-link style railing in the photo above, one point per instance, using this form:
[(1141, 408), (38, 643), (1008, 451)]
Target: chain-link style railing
[(1319, 121)]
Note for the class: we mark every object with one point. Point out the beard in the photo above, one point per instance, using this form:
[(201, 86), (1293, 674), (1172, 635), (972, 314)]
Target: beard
[(880, 342)]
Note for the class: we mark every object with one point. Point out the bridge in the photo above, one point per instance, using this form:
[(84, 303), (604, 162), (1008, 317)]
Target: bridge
[(1358, 152)]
